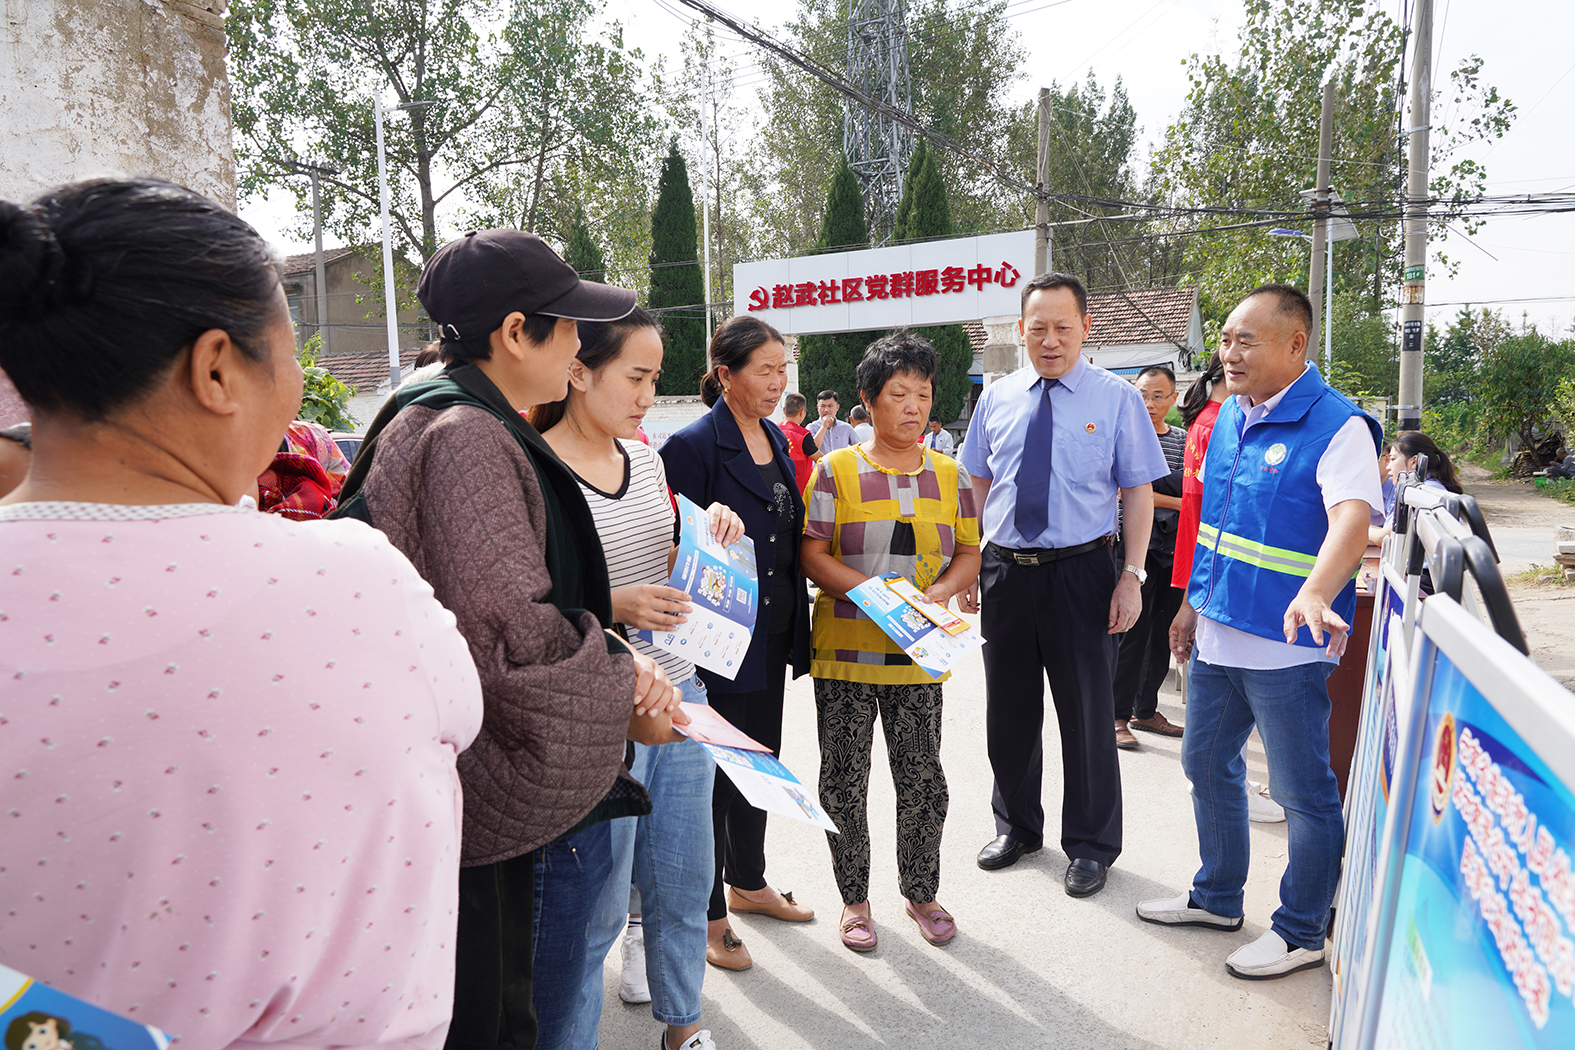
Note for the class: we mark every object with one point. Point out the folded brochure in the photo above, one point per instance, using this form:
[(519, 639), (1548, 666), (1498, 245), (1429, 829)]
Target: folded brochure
[(763, 780), (45, 1018), (912, 627), (725, 591)]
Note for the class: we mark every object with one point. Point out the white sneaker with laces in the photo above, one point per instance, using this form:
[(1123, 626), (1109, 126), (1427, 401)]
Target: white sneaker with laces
[(1261, 809), (632, 985), (1269, 957), (1178, 911), (701, 1040)]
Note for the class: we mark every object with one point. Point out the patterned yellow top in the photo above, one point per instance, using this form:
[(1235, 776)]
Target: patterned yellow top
[(878, 521)]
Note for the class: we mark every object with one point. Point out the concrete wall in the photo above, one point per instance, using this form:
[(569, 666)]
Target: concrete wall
[(89, 87), (355, 327)]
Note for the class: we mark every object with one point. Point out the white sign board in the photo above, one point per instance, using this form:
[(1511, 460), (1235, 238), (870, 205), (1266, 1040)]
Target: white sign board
[(937, 282)]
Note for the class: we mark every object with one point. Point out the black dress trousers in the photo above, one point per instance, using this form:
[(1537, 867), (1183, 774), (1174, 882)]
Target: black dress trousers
[(1052, 620)]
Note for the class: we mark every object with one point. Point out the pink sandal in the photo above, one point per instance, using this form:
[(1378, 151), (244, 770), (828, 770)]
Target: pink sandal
[(936, 926)]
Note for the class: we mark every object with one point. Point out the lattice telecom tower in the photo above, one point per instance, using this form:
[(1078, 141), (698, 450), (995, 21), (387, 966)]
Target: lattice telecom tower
[(877, 147)]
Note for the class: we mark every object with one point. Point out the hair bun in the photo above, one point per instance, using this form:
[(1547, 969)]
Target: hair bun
[(32, 264)]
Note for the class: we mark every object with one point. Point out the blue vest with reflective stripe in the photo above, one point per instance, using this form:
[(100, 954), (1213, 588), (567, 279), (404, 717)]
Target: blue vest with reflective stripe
[(1263, 518)]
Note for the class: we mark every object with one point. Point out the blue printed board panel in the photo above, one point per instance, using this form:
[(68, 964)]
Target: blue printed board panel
[(1481, 951)]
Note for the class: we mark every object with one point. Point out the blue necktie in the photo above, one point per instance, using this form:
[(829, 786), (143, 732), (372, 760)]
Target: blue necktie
[(1033, 482)]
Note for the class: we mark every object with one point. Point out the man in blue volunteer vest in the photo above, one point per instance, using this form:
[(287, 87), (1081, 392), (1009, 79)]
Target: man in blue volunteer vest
[(1289, 485)]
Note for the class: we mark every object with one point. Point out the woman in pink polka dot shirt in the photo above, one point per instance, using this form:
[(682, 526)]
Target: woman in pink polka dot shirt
[(227, 739)]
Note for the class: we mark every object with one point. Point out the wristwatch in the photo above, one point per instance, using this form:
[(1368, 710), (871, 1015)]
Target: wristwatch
[(1136, 570)]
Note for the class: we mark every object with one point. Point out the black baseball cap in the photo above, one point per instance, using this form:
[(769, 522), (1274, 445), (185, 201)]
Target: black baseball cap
[(473, 282)]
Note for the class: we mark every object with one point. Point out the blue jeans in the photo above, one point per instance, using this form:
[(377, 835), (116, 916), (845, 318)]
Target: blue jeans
[(1290, 707), (570, 874), (669, 854)]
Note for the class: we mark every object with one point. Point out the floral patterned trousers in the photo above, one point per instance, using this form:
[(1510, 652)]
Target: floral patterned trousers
[(910, 716)]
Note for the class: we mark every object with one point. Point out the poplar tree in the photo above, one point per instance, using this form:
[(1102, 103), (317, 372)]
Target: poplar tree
[(677, 287), (830, 362), (924, 213), (582, 252)]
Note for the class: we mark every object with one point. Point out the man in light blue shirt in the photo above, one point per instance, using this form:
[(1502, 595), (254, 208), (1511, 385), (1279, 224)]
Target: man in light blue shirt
[(831, 433), (860, 419), (1049, 447)]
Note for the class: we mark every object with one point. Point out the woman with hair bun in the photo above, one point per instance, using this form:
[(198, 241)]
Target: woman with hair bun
[(230, 739), (734, 455)]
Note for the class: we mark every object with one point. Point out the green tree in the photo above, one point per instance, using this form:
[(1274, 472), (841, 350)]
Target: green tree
[(324, 399), (1366, 351), (963, 60), (514, 94), (716, 148), (677, 290), (1247, 139), (581, 251), (1451, 361), (830, 362), (922, 214), (1518, 384), (580, 123), (1093, 141)]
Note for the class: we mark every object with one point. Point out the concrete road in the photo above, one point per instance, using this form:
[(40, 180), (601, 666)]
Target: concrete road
[(1030, 967)]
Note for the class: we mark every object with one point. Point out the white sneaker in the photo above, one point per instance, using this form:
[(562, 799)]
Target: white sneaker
[(1178, 911), (632, 986), (701, 1040), (1261, 809), (1267, 958)]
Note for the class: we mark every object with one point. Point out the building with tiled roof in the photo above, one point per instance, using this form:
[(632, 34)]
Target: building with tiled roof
[(367, 372), (1133, 329), (356, 323)]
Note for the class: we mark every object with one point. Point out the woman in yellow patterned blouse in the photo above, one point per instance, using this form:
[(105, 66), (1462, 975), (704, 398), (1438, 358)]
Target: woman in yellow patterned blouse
[(887, 505)]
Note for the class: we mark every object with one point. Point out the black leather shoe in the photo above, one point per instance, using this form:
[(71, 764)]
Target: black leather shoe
[(1002, 852), (1084, 877)]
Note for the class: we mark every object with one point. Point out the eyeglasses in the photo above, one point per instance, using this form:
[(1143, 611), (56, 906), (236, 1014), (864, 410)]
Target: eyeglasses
[(1156, 398)]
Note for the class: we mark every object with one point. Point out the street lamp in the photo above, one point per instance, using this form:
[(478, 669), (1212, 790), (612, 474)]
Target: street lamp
[(1328, 292), (389, 305)]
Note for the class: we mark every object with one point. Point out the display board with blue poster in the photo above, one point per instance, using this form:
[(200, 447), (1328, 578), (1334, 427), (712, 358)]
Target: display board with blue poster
[(1367, 799), (35, 1016), (1474, 928)]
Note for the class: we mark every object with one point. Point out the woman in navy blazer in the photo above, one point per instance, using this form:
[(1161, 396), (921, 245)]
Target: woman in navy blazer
[(736, 456)]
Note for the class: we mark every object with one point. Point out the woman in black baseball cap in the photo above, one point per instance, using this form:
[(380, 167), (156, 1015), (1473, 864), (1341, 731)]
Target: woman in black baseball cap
[(497, 524)]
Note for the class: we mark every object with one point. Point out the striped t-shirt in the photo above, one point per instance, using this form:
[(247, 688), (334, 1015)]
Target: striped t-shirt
[(636, 529)]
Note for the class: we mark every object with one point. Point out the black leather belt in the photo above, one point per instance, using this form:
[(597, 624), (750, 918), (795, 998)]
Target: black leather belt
[(1046, 555)]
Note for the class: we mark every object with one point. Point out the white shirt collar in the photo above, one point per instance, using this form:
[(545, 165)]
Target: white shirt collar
[(1257, 412)]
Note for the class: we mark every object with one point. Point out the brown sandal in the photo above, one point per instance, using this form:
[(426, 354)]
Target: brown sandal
[(784, 907), (732, 956)]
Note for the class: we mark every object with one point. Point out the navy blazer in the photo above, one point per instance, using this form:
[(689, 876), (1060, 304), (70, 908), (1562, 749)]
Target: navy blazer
[(709, 463)]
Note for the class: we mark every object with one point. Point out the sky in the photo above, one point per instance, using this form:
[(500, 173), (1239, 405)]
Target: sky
[(1522, 265)]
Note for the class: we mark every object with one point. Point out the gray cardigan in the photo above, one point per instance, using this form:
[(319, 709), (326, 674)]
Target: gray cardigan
[(455, 491)]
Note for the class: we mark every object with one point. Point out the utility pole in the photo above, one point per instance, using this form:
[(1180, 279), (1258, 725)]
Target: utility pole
[(1413, 292), (705, 196), (1042, 205), (1320, 237), (321, 268)]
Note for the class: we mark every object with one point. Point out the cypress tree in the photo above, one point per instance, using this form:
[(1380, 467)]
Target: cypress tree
[(582, 252), (674, 240), (830, 362), (899, 231), (925, 213)]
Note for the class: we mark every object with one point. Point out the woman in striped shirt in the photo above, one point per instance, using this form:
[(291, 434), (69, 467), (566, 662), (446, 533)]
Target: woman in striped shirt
[(595, 430)]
